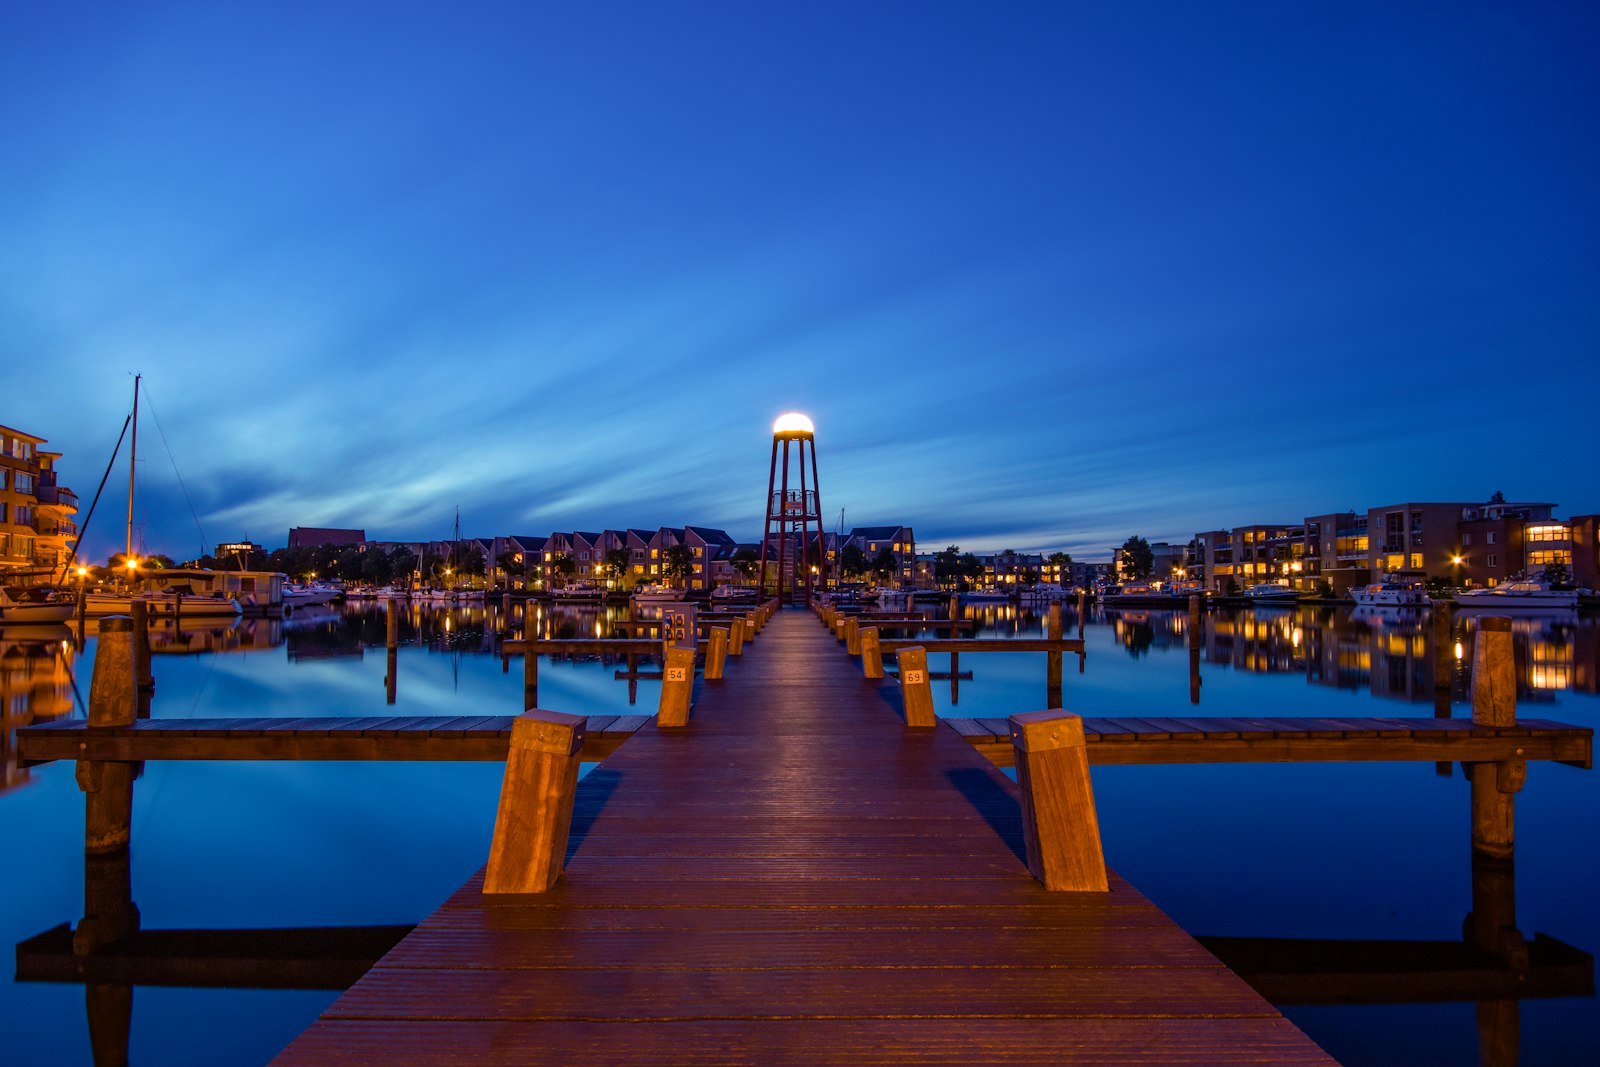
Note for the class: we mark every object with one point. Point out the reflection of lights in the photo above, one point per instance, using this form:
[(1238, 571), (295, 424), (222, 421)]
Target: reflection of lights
[(1460, 652), (1294, 638)]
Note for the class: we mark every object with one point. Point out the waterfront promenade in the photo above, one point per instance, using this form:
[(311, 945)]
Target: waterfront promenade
[(796, 877)]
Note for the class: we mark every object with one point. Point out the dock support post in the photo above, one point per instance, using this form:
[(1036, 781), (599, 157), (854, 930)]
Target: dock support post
[(955, 607), (530, 662), (1494, 703), (139, 611), (717, 654), (1052, 659), (871, 653), (1194, 650), (677, 683), (1059, 824), (541, 780), (916, 692), (109, 913), (391, 648), (1443, 659), (736, 637), (852, 636)]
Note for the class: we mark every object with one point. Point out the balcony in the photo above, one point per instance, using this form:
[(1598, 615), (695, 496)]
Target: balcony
[(57, 497)]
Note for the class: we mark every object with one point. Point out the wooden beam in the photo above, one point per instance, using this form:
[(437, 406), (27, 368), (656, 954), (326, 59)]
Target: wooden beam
[(536, 796)]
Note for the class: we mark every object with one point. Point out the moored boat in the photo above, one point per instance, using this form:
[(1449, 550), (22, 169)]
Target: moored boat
[(1267, 593), (34, 605), (655, 594), (1393, 591), (1519, 594)]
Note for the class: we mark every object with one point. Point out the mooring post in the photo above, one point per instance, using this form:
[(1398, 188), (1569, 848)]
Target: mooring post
[(852, 637), (530, 661), (736, 637), (677, 684), (871, 653), (109, 913), (139, 612), (1052, 659), (530, 829), (1443, 645), (1194, 650), (1059, 824), (391, 648), (717, 653), (750, 627), (916, 691), (1494, 703), (955, 607), (1082, 600)]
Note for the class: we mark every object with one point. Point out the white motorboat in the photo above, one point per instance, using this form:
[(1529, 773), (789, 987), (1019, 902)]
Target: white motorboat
[(34, 605), (658, 594), (1518, 594), (986, 596), (1266, 593), (1392, 592), (583, 591), (310, 594)]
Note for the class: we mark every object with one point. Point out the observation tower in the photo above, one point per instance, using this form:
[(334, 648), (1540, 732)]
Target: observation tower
[(793, 511)]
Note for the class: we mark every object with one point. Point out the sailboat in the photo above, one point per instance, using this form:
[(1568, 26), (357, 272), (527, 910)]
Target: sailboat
[(185, 599)]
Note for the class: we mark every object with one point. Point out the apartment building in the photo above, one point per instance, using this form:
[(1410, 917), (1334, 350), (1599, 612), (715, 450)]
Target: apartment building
[(900, 541), (37, 525)]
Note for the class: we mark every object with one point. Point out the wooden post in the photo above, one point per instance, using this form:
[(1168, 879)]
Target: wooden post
[(871, 653), (109, 913), (955, 678), (750, 627), (530, 829), (1052, 659), (736, 637), (916, 692), (1443, 658), (140, 614), (852, 636), (1059, 823), (1194, 650), (391, 647), (955, 607), (530, 661), (1082, 600), (1494, 703), (717, 653), (677, 684)]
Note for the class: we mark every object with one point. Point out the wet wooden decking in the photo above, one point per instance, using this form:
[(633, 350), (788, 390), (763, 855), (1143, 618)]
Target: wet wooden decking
[(748, 890)]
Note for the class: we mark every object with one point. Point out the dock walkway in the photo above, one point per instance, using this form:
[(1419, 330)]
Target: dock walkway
[(750, 890)]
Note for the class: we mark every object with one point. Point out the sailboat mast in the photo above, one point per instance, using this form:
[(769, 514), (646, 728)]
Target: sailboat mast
[(133, 455)]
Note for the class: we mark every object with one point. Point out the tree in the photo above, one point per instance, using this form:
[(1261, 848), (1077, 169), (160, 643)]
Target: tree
[(376, 568), (746, 561), (970, 569), (884, 565), (348, 566), (852, 561), (616, 563), (947, 566), (677, 563), (563, 567), (1137, 559), (1557, 574), (402, 562)]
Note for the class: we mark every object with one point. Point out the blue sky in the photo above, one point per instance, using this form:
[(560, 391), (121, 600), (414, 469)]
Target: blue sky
[(1045, 275)]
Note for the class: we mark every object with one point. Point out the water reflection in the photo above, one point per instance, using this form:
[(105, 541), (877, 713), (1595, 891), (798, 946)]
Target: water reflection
[(36, 685)]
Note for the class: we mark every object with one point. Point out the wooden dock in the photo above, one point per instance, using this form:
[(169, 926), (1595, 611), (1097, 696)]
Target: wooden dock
[(797, 878)]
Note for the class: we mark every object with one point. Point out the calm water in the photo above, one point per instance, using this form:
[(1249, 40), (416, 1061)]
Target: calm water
[(1370, 852)]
